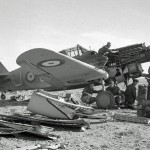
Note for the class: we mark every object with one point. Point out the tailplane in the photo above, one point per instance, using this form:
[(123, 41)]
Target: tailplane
[(3, 70)]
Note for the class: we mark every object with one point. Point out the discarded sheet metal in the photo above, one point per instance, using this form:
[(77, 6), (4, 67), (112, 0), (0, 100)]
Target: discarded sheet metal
[(31, 147), (51, 106), (10, 131), (51, 146), (133, 119), (76, 123), (32, 129)]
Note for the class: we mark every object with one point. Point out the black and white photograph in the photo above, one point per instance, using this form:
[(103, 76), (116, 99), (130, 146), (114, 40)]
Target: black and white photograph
[(75, 74)]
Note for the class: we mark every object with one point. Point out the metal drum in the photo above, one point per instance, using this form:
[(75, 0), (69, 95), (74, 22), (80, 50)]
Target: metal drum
[(146, 108), (105, 100), (142, 93)]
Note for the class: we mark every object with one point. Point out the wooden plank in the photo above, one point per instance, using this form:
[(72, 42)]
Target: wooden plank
[(133, 119)]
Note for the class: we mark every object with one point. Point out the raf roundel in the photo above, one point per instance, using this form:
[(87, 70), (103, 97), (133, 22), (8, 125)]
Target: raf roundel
[(30, 77), (51, 63)]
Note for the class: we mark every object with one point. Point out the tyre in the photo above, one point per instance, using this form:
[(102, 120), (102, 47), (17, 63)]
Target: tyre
[(3, 96)]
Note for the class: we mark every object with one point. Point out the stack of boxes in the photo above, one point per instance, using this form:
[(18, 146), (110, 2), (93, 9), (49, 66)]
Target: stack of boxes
[(143, 109)]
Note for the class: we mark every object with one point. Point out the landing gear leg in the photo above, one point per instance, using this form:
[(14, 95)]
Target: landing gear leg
[(3, 96), (103, 85)]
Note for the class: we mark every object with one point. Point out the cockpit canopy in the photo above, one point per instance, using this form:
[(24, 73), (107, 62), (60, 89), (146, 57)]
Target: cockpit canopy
[(74, 51)]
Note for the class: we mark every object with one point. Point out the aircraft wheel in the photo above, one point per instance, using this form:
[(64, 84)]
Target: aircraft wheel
[(3, 96), (105, 100)]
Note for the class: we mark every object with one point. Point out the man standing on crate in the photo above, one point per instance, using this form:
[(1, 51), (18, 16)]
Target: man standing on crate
[(130, 94), (102, 58), (101, 54)]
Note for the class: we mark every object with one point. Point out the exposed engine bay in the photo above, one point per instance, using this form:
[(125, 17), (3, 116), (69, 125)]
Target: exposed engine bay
[(126, 62)]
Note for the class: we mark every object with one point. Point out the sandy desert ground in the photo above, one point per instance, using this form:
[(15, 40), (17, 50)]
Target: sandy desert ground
[(111, 135)]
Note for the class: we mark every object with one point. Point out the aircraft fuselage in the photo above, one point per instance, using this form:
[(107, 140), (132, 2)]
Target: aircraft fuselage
[(21, 79)]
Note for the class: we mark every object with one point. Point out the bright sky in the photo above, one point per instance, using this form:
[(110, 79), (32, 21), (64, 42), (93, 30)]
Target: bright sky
[(60, 24)]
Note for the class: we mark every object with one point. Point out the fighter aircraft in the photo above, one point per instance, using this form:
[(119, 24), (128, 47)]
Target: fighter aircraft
[(72, 68), (46, 69)]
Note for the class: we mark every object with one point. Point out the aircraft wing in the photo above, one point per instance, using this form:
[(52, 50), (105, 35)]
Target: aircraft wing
[(58, 69)]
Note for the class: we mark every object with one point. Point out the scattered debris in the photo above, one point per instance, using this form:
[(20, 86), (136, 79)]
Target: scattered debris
[(10, 131), (83, 129), (38, 119), (37, 130), (51, 106), (51, 146), (31, 147), (95, 116), (48, 110)]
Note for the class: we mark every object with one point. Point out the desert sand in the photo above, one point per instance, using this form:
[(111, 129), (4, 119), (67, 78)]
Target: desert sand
[(111, 135)]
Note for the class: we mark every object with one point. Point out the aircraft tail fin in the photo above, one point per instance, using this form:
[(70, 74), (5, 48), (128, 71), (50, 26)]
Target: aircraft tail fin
[(3, 70)]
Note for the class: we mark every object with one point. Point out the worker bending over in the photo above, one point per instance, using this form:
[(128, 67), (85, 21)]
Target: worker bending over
[(87, 94)]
